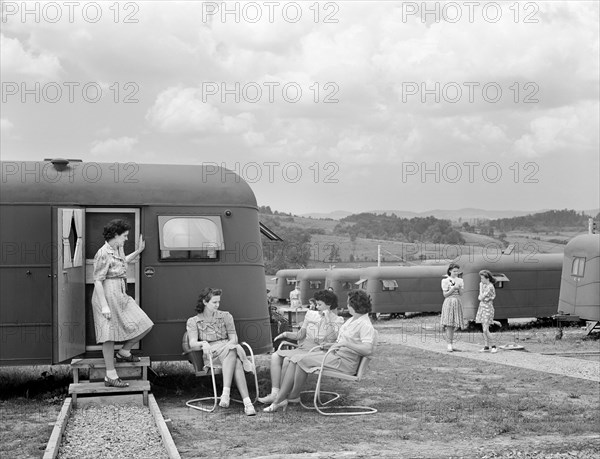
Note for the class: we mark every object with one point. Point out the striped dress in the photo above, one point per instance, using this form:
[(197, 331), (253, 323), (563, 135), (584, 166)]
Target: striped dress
[(127, 318), (452, 313)]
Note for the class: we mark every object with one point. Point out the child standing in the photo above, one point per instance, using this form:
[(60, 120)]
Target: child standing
[(485, 313)]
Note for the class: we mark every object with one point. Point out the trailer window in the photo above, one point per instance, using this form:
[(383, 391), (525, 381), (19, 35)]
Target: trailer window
[(578, 266), (347, 286), (290, 281), (190, 238), (389, 285), (314, 284), (361, 284)]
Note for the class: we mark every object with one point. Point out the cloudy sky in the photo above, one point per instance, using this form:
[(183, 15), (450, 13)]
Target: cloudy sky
[(320, 106)]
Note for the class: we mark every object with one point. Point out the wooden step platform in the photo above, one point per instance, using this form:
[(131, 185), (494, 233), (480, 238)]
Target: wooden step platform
[(97, 366)]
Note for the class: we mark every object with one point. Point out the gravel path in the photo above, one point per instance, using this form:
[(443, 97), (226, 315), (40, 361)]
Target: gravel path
[(565, 366), (111, 431)]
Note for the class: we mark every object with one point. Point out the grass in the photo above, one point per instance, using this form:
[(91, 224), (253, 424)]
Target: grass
[(429, 406)]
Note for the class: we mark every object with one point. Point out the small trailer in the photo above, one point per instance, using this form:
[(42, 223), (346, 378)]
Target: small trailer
[(285, 281), (201, 226), (580, 278)]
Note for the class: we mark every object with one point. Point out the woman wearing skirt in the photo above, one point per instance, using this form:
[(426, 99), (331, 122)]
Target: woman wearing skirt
[(117, 317), (452, 313)]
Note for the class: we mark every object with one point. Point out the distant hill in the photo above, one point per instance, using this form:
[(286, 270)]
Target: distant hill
[(465, 214)]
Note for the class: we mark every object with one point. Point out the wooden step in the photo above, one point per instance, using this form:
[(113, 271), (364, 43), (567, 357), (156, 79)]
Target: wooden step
[(99, 363), (100, 388)]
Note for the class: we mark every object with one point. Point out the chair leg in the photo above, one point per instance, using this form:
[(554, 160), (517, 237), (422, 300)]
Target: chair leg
[(214, 398), (321, 408)]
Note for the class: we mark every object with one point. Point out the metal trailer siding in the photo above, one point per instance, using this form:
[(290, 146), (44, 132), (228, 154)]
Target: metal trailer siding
[(25, 279), (580, 295)]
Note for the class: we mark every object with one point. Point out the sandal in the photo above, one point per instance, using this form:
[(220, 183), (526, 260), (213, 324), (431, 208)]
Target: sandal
[(129, 358), (115, 382)]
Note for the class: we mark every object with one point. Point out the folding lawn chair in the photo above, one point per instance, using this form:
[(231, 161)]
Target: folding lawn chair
[(321, 406), (196, 358)]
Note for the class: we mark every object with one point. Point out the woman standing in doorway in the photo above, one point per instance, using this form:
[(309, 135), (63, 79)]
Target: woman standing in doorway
[(452, 313), (117, 317)]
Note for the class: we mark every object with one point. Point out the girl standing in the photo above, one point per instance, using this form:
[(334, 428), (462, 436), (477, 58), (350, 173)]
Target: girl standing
[(485, 313), (452, 313)]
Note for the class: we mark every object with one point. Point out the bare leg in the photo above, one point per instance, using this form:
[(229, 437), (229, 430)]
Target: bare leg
[(300, 377), (108, 352), (276, 371), (130, 343), (240, 379), (287, 383), (229, 366), (486, 334), (449, 334)]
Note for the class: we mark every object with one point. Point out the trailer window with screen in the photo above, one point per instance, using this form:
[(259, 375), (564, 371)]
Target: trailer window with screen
[(578, 267), (190, 238), (314, 284)]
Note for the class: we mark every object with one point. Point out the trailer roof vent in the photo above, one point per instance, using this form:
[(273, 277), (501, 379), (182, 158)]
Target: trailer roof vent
[(60, 164)]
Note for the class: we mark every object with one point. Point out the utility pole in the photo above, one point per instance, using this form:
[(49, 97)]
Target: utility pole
[(378, 254)]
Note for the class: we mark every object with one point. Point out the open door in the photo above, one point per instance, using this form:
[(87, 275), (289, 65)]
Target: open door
[(69, 281)]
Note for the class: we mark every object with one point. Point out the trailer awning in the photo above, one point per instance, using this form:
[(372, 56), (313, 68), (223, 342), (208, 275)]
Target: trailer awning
[(501, 277), (264, 229)]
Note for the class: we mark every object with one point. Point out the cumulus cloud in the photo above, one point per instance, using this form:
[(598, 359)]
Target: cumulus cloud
[(113, 148), (20, 62)]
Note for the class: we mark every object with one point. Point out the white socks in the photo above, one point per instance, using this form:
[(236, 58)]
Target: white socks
[(247, 401), (124, 352), (112, 374)]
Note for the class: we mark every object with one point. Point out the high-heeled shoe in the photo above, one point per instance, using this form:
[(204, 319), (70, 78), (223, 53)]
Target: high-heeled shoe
[(275, 406), (118, 382), (249, 410)]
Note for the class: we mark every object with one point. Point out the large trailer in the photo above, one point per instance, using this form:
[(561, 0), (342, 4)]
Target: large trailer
[(343, 280), (285, 281), (309, 282), (201, 228)]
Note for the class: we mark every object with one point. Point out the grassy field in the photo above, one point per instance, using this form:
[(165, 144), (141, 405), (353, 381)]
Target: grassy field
[(430, 405)]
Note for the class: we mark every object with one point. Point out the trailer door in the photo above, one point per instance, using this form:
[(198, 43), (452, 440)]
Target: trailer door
[(69, 282)]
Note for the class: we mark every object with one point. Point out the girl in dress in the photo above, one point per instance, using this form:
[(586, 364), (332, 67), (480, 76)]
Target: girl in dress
[(452, 313), (117, 317), (485, 313)]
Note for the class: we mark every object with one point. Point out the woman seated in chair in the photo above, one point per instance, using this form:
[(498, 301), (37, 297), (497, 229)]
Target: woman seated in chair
[(213, 332), (317, 328), (355, 340)]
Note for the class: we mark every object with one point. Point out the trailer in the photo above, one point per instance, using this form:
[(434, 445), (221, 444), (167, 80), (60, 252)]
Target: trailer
[(310, 281), (580, 278), (285, 281), (399, 289), (201, 228), (526, 285), (342, 281)]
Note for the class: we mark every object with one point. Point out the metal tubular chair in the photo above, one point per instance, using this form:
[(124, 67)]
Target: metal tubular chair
[(197, 360), (360, 374)]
